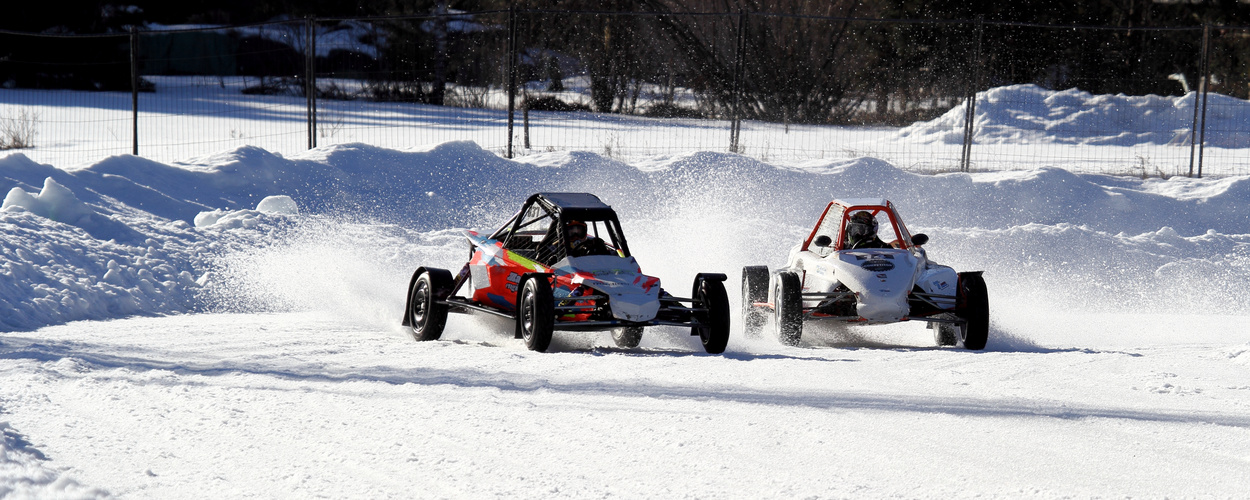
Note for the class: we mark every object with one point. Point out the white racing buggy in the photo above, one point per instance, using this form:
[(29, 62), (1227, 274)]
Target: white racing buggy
[(860, 265)]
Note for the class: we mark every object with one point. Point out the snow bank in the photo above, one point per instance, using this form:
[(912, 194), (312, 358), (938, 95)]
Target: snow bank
[(53, 202), (59, 204), (340, 228), (276, 205), (56, 273), (1023, 114), (63, 260)]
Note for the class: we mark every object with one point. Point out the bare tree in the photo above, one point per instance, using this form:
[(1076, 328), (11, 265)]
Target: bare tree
[(801, 60)]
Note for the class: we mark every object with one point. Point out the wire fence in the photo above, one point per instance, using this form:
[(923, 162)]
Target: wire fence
[(927, 96)]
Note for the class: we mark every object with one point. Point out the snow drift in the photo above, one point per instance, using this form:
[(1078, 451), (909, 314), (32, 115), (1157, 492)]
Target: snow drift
[(1024, 114), (341, 227)]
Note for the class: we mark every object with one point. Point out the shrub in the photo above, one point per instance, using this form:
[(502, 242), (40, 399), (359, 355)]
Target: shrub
[(549, 103), (670, 110), (18, 131)]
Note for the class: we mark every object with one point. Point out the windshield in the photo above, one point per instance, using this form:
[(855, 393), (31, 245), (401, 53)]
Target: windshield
[(544, 238)]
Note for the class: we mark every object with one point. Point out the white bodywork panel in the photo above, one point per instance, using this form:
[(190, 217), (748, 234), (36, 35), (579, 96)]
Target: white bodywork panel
[(632, 295), (881, 278)]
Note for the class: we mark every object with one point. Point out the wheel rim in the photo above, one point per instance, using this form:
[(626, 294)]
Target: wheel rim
[(781, 310), (778, 313), (420, 305), (705, 331), (527, 314)]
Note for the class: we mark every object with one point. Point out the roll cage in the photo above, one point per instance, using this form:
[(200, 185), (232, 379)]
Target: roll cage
[(537, 230), (833, 220)]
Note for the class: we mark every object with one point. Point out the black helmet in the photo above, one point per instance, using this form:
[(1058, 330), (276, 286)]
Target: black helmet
[(575, 230), (861, 226)]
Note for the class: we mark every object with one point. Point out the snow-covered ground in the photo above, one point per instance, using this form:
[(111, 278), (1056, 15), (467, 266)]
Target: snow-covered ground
[(227, 325), (311, 405)]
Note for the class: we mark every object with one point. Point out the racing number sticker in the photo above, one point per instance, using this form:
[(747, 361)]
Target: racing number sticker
[(877, 265)]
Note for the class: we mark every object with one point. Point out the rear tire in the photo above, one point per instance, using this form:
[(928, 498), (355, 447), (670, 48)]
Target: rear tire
[(714, 329), (788, 308), (754, 289), (426, 316), (627, 337), (973, 306), (535, 315)]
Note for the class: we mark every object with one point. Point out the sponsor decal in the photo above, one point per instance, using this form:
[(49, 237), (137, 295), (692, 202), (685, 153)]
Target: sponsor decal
[(514, 278), (882, 275), (877, 266), (872, 255), (500, 302), (940, 285)]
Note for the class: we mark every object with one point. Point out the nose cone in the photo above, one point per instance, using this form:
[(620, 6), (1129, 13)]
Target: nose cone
[(883, 307), (881, 279), (632, 295), (635, 306)]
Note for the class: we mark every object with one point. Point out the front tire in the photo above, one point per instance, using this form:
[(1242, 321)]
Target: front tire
[(535, 315), (754, 290), (426, 316), (788, 308), (714, 321), (973, 306)]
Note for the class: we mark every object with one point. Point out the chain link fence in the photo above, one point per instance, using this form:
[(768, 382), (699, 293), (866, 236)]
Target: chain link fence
[(927, 96)]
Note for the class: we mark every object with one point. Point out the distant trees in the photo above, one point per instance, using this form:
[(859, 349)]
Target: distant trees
[(792, 67), (1103, 60), (801, 61)]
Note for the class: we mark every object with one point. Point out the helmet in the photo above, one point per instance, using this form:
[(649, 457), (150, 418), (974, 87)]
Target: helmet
[(575, 230), (861, 226)]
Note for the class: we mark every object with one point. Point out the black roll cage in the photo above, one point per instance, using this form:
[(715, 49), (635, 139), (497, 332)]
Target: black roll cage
[(562, 214)]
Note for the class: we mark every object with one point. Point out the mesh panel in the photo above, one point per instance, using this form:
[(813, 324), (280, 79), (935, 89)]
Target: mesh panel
[(776, 87), (65, 99)]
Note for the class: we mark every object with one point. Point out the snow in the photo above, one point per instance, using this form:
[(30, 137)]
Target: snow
[(227, 325), (1029, 113)]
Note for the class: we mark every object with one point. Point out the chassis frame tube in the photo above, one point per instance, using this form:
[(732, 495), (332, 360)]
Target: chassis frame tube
[(461, 306)]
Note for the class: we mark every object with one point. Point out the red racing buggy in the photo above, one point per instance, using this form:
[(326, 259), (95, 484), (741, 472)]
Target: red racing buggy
[(562, 263)]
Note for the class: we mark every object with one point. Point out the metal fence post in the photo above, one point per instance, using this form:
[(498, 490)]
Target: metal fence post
[(1196, 127), (735, 127), (970, 101), (1206, 90), (310, 78), (511, 73), (134, 90)]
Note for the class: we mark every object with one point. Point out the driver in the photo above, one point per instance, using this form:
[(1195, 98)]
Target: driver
[(861, 232), (581, 244)]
